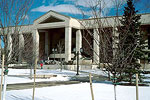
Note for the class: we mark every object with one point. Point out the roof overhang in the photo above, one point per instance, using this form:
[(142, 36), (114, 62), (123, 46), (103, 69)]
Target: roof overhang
[(53, 19), (51, 14)]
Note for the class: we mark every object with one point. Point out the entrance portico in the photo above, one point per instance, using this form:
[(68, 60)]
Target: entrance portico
[(52, 28)]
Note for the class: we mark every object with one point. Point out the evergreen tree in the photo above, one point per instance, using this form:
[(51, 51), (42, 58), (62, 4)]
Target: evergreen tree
[(131, 40)]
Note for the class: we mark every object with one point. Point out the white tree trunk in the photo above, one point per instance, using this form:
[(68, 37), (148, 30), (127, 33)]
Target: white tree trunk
[(4, 88), (2, 70), (137, 92), (31, 71), (115, 92)]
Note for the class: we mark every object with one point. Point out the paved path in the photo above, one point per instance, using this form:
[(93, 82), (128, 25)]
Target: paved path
[(20, 86)]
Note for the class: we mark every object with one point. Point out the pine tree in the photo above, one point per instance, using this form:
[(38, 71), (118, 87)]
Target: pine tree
[(132, 40)]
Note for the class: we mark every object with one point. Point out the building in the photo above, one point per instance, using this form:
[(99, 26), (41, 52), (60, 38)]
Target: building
[(53, 28)]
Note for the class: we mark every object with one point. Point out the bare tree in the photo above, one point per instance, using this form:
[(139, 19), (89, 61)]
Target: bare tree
[(110, 42), (60, 47), (105, 31), (13, 16), (12, 33)]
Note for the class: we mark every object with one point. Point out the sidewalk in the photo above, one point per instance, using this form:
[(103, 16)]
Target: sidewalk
[(20, 86)]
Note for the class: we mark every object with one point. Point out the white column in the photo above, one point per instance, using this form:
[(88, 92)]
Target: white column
[(68, 37), (9, 46), (78, 41), (36, 43), (96, 47), (46, 44), (21, 46), (115, 40)]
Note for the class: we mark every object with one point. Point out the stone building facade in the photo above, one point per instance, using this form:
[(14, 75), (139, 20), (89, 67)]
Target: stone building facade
[(53, 28)]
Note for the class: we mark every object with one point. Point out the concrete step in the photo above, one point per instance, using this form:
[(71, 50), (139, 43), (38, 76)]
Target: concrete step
[(44, 76)]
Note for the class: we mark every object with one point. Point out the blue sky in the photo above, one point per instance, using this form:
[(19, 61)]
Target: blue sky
[(70, 7)]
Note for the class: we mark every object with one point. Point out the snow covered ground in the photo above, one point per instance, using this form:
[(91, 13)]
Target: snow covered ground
[(13, 80), (63, 75), (41, 71), (80, 92), (70, 92), (24, 75)]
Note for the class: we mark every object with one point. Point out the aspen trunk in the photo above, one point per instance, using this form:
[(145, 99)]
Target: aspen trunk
[(2, 70), (137, 94), (34, 78), (92, 94)]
